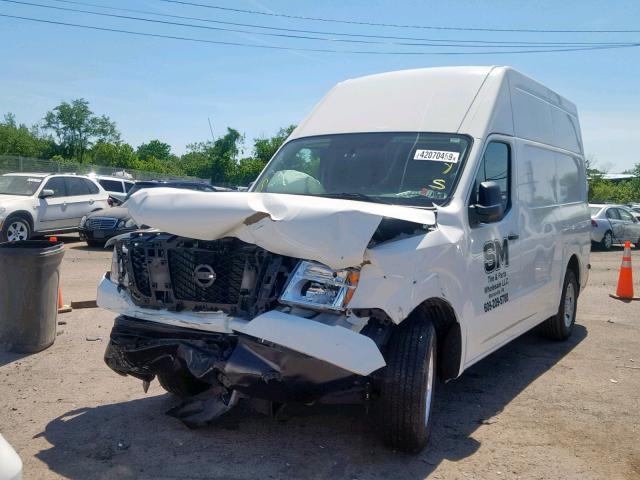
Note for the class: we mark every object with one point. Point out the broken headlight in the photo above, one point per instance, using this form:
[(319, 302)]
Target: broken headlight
[(117, 268), (314, 285)]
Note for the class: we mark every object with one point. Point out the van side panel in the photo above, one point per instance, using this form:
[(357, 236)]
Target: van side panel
[(541, 115), (538, 226)]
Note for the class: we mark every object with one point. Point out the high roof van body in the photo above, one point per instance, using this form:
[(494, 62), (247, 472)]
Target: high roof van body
[(413, 223)]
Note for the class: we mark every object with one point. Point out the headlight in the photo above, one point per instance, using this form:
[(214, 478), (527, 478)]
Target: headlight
[(115, 266), (127, 223), (83, 221), (317, 286), (118, 273)]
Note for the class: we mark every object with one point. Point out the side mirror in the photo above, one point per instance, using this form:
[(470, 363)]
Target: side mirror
[(489, 207), (46, 193)]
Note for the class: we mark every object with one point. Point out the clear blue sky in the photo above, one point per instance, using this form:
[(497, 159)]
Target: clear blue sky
[(166, 89)]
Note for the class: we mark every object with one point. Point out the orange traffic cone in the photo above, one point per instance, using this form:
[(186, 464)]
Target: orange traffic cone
[(62, 308), (625, 279)]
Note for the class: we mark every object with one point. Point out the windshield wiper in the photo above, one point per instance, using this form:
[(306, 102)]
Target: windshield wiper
[(353, 196)]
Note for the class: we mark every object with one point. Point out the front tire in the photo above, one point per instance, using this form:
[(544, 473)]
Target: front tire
[(15, 228), (560, 326), (182, 385), (408, 386)]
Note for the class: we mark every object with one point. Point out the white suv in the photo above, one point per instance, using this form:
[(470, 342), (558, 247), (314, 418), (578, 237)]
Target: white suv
[(39, 203)]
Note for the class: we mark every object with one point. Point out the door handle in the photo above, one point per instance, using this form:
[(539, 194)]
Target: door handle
[(91, 201), (513, 236)]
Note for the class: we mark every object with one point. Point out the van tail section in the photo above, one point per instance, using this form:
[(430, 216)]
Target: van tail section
[(625, 278)]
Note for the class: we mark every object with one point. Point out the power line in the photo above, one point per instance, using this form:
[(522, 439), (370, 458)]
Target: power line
[(318, 50), (372, 24), (341, 34), (281, 35)]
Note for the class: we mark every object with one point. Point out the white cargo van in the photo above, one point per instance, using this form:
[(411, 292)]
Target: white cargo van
[(415, 222)]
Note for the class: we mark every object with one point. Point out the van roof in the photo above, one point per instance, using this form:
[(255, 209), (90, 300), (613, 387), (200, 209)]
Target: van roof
[(468, 100)]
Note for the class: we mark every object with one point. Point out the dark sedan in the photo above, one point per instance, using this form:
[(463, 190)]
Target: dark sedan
[(98, 227)]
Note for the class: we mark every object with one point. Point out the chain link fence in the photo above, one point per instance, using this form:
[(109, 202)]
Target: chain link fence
[(13, 164)]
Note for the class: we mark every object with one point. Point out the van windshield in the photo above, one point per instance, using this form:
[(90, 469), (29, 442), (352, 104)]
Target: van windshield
[(416, 169)]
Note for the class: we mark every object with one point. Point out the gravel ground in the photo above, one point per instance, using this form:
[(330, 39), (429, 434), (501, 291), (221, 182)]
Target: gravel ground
[(533, 410)]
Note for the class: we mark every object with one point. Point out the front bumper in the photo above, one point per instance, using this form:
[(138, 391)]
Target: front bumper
[(100, 235), (302, 358), (234, 362)]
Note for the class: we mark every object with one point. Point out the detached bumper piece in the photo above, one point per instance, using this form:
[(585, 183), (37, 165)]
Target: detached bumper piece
[(229, 364)]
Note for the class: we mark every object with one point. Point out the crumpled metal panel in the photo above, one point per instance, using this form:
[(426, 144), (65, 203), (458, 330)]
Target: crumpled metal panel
[(334, 232)]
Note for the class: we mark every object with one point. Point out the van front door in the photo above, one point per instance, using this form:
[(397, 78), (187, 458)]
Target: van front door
[(494, 263)]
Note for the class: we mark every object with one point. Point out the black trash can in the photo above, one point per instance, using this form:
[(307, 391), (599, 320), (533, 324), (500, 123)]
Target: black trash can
[(29, 278)]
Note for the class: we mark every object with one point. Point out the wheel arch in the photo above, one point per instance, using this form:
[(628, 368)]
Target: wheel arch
[(448, 332), (24, 215), (574, 265)]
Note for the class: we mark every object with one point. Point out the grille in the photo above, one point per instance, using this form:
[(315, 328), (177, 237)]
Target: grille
[(101, 223), (170, 272), (228, 266), (139, 268)]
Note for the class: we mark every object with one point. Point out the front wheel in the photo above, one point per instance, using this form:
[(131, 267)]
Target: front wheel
[(560, 326), (15, 229), (181, 384), (408, 386)]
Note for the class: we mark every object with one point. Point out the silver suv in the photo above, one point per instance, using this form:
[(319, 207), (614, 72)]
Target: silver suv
[(42, 203)]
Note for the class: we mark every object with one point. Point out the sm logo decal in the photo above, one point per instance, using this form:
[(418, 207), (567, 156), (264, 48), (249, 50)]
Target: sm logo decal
[(496, 255)]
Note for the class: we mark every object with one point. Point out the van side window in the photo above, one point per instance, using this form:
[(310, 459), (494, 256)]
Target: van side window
[(495, 167)]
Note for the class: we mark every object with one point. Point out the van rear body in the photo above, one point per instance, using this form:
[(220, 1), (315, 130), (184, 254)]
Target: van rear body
[(414, 223)]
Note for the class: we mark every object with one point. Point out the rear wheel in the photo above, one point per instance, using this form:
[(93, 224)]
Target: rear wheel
[(182, 385), (560, 326), (607, 241), (408, 386), (15, 228)]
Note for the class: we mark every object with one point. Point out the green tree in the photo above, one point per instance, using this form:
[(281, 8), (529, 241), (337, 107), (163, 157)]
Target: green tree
[(23, 141), (218, 158), (155, 148), (119, 155), (265, 148), (76, 128)]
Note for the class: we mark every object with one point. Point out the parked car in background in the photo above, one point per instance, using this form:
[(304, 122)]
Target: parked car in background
[(117, 188), (613, 224), (34, 204), (98, 227), (635, 210)]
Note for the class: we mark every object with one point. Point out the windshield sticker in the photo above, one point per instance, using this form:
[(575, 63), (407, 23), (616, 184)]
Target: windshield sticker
[(437, 155), (34, 180)]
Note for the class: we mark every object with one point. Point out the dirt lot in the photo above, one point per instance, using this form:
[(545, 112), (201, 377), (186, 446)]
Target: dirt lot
[(535, 409)]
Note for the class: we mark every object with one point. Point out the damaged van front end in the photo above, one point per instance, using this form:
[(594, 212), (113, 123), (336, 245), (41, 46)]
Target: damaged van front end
[(266, 302)]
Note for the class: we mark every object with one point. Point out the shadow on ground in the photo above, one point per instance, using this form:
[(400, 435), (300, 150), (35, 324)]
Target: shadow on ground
[(9, 357), (136, 440)]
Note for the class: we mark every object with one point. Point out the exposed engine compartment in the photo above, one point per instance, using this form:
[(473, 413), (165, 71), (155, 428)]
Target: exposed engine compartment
[(175, 273)]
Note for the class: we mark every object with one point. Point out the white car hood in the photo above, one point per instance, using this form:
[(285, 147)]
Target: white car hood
[(9, 199), (334, 232)]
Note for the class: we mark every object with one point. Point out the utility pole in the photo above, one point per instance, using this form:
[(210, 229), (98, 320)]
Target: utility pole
[(211, 129)]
